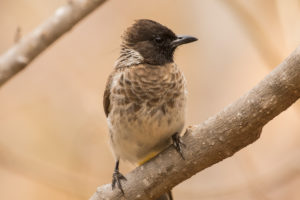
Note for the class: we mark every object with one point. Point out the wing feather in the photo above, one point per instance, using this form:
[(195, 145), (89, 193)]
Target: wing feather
[(106, 96)]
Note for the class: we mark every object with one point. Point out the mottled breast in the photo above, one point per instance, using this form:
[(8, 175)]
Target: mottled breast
[(147, 107), (152, 86)]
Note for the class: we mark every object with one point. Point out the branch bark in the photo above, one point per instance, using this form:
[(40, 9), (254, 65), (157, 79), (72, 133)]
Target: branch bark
[(29, 47), (219, 137)]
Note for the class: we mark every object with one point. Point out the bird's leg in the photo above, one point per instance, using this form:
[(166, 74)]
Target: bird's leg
[(117, 177), (178, 144)]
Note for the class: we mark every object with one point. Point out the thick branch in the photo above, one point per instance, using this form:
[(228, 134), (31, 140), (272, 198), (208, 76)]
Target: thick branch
[(219, 137), (29, 47)]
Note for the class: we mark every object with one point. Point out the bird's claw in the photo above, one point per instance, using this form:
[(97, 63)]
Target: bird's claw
[(178, 144), (117, 177)]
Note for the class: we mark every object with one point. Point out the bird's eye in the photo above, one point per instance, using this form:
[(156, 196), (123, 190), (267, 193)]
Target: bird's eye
[(158, 40)]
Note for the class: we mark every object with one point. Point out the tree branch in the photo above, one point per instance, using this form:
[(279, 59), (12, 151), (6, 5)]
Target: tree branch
[(29, 47), (219, 137)]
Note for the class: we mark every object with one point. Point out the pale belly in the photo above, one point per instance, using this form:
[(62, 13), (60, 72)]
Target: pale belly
[(136, 136)]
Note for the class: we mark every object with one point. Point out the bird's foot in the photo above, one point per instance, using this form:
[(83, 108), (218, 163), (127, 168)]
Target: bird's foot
[(117, 177), (178, 144)]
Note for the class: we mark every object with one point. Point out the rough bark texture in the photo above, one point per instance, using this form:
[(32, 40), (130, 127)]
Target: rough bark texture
[(29, 47), (219, 137)]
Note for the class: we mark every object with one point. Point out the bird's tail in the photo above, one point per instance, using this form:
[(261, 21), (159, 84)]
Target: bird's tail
[(166, 196)]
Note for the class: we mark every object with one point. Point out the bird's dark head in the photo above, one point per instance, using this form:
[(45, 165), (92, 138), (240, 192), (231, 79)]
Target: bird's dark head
[(154, 42)]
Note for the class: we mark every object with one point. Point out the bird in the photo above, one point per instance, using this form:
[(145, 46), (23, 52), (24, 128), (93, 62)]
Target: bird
[(145, 96)]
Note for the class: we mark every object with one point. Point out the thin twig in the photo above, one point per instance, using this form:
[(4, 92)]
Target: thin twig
[(29, 47), (18, 34), (256, 33)]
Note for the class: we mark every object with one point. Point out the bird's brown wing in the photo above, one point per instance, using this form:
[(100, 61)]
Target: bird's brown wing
[(106, 96)]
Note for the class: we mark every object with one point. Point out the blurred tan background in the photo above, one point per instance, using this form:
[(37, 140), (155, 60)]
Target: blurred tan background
[(53, 132)]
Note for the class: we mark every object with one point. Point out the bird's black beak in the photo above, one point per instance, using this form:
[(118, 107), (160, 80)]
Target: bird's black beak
[(182, 39)]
